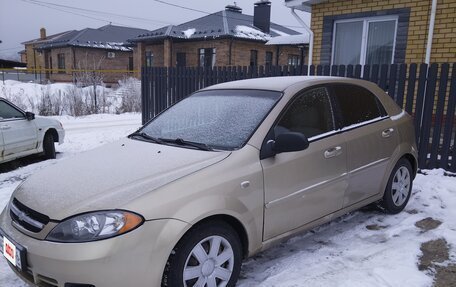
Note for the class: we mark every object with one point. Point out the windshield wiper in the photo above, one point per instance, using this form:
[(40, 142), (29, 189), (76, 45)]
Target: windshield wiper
[(179, 141), (146, 137)]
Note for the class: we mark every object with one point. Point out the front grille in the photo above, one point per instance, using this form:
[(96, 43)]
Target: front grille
[(27, 218)]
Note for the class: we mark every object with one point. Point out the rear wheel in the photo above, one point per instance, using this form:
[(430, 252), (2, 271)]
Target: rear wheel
[(209, 255), (399, 188), (48, 146)]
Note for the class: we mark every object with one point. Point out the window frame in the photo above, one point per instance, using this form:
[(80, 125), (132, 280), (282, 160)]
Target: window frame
[(203, 52), (61, 60), (148, 59), (340, 121), (268, 62), (14, 107), (365, 34), (293, 58), (253, 58)]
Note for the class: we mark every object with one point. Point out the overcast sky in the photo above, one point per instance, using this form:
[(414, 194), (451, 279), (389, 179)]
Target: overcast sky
[(21, 20)]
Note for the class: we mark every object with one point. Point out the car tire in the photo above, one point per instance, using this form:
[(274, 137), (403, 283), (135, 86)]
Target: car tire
[(399, 188), (210, 252), (48, 146)]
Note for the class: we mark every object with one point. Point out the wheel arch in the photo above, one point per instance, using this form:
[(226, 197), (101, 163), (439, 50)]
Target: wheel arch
[(54, 133), (413, 162), (234, 223)]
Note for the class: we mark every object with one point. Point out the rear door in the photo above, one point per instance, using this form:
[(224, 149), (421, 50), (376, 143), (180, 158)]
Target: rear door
[(371, 139), (19, 134), (301, 187)]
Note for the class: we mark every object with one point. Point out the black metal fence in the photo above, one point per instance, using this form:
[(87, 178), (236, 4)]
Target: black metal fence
[(428, 92)]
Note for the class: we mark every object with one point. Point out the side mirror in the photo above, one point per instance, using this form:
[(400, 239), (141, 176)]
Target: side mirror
[(289, 142), (29, 116)]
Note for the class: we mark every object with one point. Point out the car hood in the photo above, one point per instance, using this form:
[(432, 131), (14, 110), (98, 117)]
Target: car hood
[(42, 121), (109, 177)]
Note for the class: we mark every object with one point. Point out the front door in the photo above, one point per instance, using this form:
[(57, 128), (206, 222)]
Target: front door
[(19, 134), (301, 187)]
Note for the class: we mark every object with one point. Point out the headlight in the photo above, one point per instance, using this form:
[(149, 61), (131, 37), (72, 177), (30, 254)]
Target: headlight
[(95, 226)]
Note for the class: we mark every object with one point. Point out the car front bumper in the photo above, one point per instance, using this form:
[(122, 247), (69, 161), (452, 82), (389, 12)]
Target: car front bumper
[(133, 259)]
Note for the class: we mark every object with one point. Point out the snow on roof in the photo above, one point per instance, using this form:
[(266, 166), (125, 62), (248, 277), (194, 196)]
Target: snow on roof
[(289, 40), (189, 32), (247, 32)]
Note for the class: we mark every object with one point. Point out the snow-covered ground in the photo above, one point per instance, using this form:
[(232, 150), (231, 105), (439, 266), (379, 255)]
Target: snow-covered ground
[(364, 248)]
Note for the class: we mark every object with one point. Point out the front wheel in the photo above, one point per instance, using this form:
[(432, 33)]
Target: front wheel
[(209, 255), (399, 188), (48, 146)]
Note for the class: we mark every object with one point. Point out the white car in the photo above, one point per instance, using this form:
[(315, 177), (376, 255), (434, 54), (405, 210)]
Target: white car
[(21, 134)]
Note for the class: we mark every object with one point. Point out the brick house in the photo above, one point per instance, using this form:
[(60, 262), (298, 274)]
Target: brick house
[(73, 52), (381, 32), (224, 38), (34, 58)]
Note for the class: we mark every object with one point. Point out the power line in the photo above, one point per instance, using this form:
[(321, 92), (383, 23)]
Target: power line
[(60, 7), (101, 12), (73, 13), (209, 13)]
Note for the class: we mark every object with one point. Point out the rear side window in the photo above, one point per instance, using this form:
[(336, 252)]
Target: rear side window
[(310, 114), (356, 104)]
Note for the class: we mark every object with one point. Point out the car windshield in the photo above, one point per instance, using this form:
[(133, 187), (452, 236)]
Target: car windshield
[(219, 119)]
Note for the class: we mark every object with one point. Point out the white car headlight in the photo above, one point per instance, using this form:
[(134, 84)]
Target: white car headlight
[(95, 226)]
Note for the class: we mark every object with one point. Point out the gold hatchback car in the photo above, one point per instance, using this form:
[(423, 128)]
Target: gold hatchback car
[(218, 177)]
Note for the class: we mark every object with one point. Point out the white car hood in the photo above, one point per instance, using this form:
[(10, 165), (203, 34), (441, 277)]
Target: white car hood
[(109, 177)]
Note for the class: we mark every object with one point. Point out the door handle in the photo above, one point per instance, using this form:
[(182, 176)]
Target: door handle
[(387, 133), (5, 127), (332, 152)]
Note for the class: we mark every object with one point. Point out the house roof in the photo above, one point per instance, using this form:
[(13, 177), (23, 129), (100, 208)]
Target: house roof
[(48, 38), (226, 23), (108, 37), (304, 5)]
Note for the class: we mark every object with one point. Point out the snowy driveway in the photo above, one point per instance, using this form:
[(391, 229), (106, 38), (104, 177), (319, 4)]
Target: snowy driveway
[(364, 248)]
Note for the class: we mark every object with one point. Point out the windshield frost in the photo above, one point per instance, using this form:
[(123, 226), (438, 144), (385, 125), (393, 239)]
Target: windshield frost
[(222, 119)]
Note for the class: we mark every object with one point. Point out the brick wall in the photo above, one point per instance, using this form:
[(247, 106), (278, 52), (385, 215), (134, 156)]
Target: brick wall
[(86, 58), (444, 43), (35, 59), (240, 52)]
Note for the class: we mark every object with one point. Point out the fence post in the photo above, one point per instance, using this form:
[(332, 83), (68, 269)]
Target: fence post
[(449, 125), (443, 81)]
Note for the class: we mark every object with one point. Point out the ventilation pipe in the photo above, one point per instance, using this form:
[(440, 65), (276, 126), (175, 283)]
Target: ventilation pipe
[(431, 32), (311, 38)]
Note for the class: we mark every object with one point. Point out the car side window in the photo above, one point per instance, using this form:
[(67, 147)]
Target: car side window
[(356, 104), (310, 114), (9, 112)]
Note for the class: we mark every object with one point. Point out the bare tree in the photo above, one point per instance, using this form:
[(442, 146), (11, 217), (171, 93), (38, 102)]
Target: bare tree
[(89, 74)]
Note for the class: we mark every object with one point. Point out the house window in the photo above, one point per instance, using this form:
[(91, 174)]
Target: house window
[(149, 59), (268, 59), (61, 63), (207, 57), (181, 60), (253, 58), (294, 60), (50, 64), (365, 41), (130, 63)]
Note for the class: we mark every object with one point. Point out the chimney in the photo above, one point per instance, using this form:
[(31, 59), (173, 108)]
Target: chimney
[(262, 15), (233, 8), (42, 33)]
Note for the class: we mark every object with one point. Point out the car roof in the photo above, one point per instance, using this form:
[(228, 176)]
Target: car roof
[(282, 83)]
